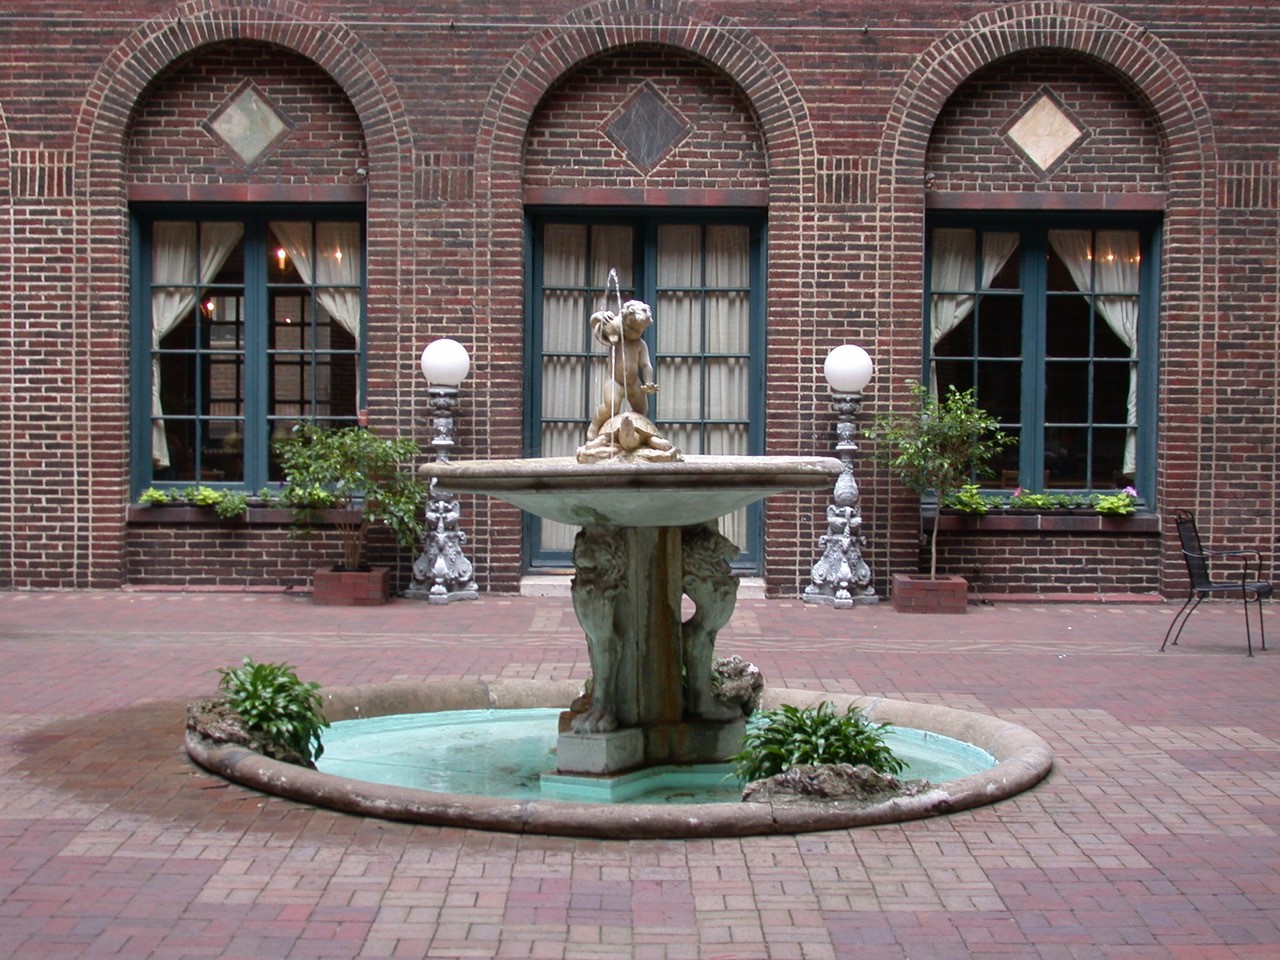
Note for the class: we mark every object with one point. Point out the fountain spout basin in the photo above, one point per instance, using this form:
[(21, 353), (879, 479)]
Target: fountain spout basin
[(648, 538), (682, 493)]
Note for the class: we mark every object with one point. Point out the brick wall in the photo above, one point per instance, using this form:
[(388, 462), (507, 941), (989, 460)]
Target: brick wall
[(184, 548), (462, 113)]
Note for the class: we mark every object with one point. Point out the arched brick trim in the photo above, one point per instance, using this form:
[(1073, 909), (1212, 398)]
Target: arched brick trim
[(599, 28), (606, 26), (1158, 77), (100, 356), (1154, 71)]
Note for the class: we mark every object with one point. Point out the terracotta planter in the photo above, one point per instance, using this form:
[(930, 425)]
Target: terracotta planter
[(920, 593), (351, 588)]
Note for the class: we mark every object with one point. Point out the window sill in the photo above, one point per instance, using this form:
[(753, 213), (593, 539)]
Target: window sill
[(140, 515), (1047, 522)]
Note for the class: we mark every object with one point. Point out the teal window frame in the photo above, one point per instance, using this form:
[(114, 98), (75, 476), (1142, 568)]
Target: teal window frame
[(645, 269), (256, 287), (1033, 289)]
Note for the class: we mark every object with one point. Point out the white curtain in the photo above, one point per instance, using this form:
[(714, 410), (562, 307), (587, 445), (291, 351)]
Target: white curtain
[(678, 323), (705, 309), (1115, 271), (175, 287), (335, 269), (952, 269)]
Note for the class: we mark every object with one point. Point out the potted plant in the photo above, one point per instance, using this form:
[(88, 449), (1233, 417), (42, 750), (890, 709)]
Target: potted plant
[(357, 478), (939, 445), (226, 504)]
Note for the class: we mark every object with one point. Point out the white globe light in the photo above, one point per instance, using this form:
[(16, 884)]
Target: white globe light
[(445, 362), (848, 369)]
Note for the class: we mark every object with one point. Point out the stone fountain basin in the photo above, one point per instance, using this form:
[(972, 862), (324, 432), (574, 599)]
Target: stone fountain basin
[(1022, 760), (694, 490)]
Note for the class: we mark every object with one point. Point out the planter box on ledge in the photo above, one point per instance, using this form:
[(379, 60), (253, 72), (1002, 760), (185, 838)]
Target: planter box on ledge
[(351, 588), (920, 593)]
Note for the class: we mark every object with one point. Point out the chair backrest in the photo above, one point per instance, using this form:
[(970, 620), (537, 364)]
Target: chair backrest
[(1192, 551)]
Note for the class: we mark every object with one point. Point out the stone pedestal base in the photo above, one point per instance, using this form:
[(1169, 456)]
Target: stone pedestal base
[(611, 752), (675, 744)]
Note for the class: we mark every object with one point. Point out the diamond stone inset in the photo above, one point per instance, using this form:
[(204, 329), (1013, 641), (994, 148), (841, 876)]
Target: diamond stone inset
[(248, 124), (1045, 132), (647, 128)]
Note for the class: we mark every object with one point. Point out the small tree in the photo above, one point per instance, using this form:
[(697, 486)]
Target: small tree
[(352, 468), (940, 445)]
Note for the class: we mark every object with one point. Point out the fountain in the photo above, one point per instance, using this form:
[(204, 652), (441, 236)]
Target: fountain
[(648, 540)]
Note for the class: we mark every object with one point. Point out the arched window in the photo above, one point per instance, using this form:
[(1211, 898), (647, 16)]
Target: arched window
[(246, 319), (1053, 321)]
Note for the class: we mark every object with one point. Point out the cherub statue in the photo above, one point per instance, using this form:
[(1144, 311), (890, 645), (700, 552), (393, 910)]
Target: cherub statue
[(629, 371), (614, 433)]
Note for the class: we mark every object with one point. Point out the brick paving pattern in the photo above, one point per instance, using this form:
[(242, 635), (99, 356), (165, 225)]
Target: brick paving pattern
[(1155, 838)]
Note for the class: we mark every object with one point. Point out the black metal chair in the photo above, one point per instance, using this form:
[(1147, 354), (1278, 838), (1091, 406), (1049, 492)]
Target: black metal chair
[(1248, 584)]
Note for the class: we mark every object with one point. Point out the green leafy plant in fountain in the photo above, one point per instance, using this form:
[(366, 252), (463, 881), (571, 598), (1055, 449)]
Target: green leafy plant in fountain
[(940, 444), (1122, 503), (777, 740), (355, 470), (276, 705)]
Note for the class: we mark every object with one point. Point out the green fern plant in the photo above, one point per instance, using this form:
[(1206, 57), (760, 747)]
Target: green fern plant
[(777, 740), (354, 469), (276, 705)]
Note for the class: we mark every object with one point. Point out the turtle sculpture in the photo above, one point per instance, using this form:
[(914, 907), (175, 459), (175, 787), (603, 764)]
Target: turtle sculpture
[(630, 437)]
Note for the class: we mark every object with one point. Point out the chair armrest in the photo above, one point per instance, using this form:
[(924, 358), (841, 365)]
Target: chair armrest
[(1249, 559), (1231, 553)]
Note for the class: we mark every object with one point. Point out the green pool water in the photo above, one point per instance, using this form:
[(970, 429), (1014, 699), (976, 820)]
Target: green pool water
[(511, 754)]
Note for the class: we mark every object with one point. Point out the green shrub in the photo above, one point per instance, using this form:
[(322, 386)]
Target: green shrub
[(1122, 503), (202, 496), (231, 504), (1027, 500), (777, 740), (354, 469), (275, 704), (939, 444), (154, 497), (969, 499)]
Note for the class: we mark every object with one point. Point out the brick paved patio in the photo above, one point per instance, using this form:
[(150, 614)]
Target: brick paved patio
[(1155, 838)]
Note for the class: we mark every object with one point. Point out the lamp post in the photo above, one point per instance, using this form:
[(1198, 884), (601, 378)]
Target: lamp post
[(841, 578), (443, 573)]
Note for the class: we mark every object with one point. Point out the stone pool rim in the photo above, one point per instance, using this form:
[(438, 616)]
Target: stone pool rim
[(1022, 757)]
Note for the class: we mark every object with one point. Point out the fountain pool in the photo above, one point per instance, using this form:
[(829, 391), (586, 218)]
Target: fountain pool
[(1021, 758), (511, 753)]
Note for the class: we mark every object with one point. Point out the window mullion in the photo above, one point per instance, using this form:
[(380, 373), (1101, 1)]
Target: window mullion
[(257, 428), (1034, 319)]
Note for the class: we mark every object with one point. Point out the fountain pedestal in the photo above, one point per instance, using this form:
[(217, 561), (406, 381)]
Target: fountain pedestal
[(648, 539)]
